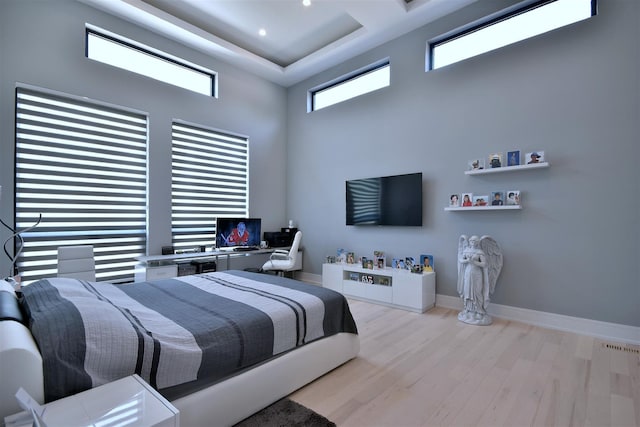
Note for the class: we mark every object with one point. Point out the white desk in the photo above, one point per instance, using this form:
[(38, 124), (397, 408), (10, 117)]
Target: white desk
[(165, 266), (127, 402)]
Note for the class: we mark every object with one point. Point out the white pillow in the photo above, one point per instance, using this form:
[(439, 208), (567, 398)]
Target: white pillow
[(6, 286)]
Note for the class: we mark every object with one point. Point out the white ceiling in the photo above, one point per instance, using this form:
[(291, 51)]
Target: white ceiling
[(300, 40)]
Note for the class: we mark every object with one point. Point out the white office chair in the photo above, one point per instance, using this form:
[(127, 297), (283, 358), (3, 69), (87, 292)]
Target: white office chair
[(282, 261), (77, 262)]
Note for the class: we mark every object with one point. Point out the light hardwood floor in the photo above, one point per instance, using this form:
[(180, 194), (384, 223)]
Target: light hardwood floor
[(431, 370)]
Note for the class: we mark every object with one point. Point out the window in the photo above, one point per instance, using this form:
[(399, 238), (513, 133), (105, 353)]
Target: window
[(135, 57), (505, 28), (209, 179), (83, 165), (365, 80)]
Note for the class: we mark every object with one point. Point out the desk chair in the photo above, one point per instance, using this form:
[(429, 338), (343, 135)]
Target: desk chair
[(77, 262), (282, 261)]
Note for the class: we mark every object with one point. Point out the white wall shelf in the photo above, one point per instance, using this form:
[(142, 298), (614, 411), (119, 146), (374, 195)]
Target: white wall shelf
[(486, 208), (540, 165)]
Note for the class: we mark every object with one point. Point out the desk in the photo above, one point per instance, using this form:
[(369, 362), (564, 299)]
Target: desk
[(153, 267)]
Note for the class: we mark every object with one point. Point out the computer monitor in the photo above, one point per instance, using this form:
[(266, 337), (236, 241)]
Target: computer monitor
[(233, 232)]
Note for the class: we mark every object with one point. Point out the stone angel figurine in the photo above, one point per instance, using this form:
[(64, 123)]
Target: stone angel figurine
[(479, 265)]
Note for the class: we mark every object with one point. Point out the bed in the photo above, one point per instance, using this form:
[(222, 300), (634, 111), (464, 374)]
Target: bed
[(220, 346)]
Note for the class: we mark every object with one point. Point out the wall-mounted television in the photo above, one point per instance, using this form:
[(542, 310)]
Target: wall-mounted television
[(387, 200), (233, 232)]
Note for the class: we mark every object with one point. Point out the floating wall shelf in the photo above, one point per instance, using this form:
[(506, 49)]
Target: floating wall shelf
[(486, 208), (541, 165)]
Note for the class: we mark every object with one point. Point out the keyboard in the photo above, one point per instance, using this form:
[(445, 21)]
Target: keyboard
[(245, 248)]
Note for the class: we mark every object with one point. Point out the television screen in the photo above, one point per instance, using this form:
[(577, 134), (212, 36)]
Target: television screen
[(388, 200), (232, 232)]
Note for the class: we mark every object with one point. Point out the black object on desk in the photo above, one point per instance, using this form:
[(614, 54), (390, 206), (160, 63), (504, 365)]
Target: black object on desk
[(204, 265)]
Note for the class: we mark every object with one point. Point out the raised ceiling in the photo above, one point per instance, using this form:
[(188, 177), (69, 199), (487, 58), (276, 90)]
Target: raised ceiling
[(300, 40)]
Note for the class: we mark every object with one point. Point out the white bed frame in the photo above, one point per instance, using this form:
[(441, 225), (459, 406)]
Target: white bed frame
[(222, 404)]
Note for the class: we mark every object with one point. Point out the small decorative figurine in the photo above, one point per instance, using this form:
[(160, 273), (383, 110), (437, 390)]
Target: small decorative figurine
[(479, 265)]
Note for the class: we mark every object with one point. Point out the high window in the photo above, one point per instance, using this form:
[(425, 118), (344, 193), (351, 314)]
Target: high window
[(209, 179), (83, 166), (507, 27), (365, 80), (119, 52)]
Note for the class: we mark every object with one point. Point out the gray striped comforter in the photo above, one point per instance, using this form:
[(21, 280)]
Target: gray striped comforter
[(179, 334)]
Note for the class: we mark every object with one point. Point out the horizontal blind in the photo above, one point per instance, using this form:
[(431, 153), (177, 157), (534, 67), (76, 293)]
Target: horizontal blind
[(210, 179), (83, 166)]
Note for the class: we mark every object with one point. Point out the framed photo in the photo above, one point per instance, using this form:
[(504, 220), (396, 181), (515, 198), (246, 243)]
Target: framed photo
[(496, 160), (497, 198), (341, 256), (513, 158), (384, 281), (476, 164), (379, 259), (354, 276), (351, 258), (426, 261), (513, 197), (409, 262), (398, 263), (480, 200), (454, 200), (534, 157), (366, 278), (467, 199)]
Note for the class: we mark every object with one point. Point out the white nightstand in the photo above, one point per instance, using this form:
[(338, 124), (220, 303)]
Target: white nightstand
[(127, 402)]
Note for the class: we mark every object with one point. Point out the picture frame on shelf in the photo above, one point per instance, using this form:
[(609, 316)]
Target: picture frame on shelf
[(379, 259), (481, 200), (366, 278), (426, 261), (497, 198), (351, 258), (513, 198), (535, 157), (467, 199), (513, 158), (398, 263), (354, 276), (476, 164), (341, 256), (454, 200), (496, 160), (409, 263)]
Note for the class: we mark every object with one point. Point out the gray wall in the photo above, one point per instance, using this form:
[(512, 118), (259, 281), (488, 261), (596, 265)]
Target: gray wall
[(573, 248), (42, 44), (573, 93)]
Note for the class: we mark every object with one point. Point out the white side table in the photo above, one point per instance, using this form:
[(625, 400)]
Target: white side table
[(128, 401)]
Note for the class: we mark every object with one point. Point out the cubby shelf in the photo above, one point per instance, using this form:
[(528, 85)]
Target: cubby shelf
[(391, 286), (540, 165)]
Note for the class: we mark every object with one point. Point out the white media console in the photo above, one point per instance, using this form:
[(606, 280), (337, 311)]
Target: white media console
[(394, 287)]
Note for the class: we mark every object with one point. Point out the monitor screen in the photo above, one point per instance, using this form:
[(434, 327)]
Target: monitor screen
[(231, 232), (387, 200)]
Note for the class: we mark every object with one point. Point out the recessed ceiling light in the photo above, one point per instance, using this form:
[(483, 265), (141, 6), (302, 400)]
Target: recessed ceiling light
[(262, 32), (306, 2)]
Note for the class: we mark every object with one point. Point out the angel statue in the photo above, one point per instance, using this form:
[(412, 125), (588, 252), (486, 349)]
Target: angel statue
[(479, 265)]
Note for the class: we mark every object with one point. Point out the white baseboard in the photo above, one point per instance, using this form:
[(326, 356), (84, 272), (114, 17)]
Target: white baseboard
[(595, 328), (578, 325)]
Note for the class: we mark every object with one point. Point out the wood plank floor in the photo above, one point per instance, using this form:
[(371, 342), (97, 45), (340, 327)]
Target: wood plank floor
[(431, 370)]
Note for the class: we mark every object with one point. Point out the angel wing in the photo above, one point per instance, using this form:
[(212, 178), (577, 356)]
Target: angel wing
[(493, 254), (463, 242)]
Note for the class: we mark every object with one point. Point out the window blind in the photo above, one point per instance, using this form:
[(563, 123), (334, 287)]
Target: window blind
[(83, 165), (210, 179)]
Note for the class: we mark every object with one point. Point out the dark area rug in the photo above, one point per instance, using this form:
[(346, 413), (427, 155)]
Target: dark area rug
[(286, 413)]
